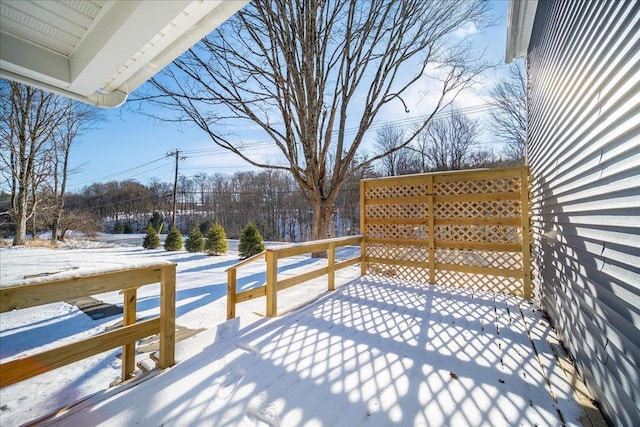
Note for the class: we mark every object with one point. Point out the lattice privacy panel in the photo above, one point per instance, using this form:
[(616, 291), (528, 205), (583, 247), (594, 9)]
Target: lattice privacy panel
[(462, 229)]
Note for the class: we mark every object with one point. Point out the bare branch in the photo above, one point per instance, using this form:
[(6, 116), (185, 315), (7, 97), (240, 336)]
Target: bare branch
[(305, 72)]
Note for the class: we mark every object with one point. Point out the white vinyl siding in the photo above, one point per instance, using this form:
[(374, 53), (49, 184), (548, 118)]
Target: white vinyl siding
[(584, 157)]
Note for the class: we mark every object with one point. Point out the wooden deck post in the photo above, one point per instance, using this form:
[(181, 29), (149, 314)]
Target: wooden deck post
[(525, 225), (363, 231), (231, 293), (129, 318), (272, 283), (167, 316), (331, 267), (431, 230)]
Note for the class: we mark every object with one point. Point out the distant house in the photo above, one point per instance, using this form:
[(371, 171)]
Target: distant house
[(583, 150)]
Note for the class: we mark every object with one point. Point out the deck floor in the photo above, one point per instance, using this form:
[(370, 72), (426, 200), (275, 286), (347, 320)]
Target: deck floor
[(374, 352)]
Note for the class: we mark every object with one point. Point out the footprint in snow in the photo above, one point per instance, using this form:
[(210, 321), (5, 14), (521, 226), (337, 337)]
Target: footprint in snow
[(247, 347), (228, 382), (261, 412)]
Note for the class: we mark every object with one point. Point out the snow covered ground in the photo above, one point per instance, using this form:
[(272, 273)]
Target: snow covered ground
[(200, 304), (374, 352)]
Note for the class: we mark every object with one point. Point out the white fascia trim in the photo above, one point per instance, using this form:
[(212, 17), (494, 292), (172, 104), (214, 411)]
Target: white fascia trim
[(106, 100), (196, 32), (520, 17), (116, 39)]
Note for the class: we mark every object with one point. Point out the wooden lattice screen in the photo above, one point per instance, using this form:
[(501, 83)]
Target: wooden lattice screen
[(461, 229)]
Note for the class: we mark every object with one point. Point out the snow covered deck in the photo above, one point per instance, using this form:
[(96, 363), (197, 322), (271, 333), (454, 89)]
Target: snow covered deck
[(374, 352)]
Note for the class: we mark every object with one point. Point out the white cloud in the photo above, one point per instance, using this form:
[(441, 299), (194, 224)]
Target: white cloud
[(468, 29)]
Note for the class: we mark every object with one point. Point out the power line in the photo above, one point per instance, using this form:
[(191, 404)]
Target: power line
[(474, 109), (114, 174), (175, 153)]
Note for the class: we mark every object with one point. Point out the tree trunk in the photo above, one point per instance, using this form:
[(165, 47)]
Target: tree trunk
[(323, 210), (21, 219), (55, 226)]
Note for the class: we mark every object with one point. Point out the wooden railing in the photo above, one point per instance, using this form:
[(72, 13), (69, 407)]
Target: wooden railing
[(42, 291), (272, 286)]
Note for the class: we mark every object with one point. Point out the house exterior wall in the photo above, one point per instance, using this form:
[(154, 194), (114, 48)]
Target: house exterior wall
[(584, 158)]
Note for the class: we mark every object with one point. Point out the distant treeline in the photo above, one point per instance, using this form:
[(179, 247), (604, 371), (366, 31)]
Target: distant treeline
[(269, 199)]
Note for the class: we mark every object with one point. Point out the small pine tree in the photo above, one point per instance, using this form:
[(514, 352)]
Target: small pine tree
[(195, 242), (216, 243), (156, 221), (250, 242), (173, 241), (151, 239), (118, 228)]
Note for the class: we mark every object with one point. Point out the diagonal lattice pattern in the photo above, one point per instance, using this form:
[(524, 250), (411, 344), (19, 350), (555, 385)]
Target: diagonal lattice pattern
[(482, 208), (478, 233), (399, 252), (417, 210), (397, 231), (383, 192), (475, 258), (479, 209), (481, 186)]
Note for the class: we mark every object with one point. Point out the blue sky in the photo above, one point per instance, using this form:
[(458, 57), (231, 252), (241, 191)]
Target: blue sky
[(128, 145)]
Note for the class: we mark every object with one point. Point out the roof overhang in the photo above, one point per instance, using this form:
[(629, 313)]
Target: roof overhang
[(520, 19), (99, 51)]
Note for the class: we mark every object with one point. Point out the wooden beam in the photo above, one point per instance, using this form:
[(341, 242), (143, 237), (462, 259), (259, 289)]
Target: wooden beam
[(231, 293), (129, 317), (30, 366), (167, 317), (514, 221), (55, 290), (431, 231), (526, 230), (246, 261), (363, 229), (346, 263), (301, 278), (251, 294), (272, 283), (331, 264), (314, 246)]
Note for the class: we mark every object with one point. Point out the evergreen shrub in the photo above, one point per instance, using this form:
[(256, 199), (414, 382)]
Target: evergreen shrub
[(151, 239), (173, 242), (195, 242), (250, 242), (216, 243)]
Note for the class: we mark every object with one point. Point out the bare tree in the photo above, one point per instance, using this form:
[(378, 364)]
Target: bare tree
[(306, 72), (27, 122), (77, 119), (509, 117), (450, 143), (398, 162)]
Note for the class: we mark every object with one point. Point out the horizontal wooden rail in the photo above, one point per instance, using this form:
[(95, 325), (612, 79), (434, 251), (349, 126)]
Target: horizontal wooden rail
[(45, 291), (272, 285), (30, 366), (444, 199), (55, 290), (462, 245)]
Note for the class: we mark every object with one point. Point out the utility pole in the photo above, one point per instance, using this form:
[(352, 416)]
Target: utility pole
[(175, 153)]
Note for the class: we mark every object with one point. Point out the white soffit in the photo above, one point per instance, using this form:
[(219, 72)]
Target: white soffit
[(98, 51), (520, 17)]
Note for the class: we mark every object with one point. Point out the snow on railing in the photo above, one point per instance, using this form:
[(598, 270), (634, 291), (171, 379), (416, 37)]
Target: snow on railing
[(272, 286), (43, 290)]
